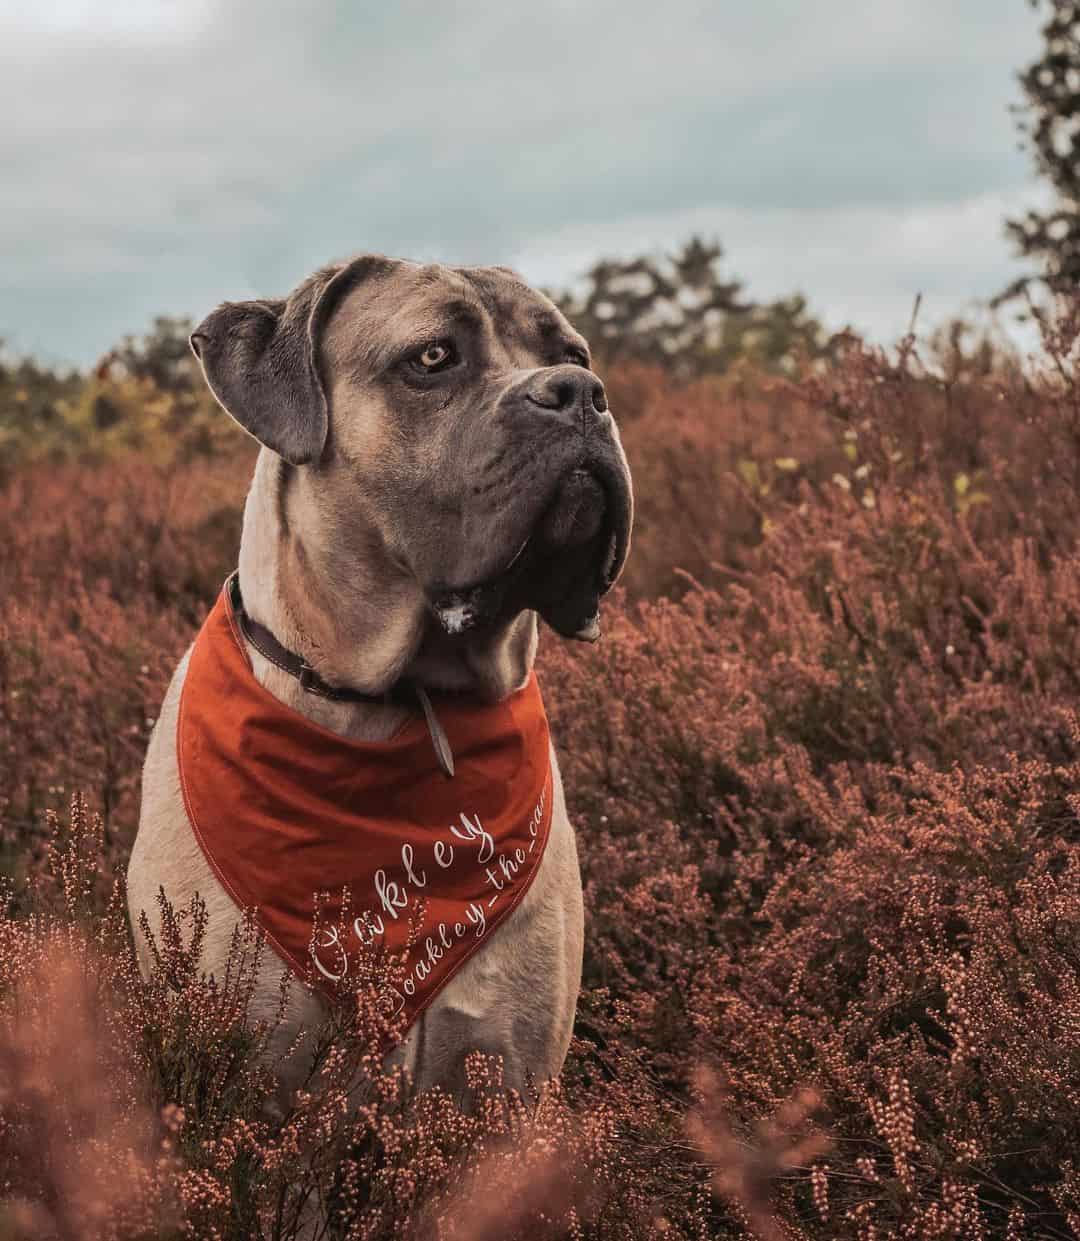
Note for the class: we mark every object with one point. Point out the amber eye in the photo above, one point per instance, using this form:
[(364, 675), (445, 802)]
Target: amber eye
[(435, 356)]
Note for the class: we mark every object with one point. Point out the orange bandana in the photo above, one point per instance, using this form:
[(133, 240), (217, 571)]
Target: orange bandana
[(284, 809)]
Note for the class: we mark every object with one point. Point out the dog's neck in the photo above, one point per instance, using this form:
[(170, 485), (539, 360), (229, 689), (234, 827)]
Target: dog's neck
[(355, 616)]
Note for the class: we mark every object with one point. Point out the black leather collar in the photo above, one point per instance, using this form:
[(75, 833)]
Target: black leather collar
[(403, 691)]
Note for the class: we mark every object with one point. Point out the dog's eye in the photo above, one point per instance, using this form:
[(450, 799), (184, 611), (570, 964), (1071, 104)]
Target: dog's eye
[(436, 356)]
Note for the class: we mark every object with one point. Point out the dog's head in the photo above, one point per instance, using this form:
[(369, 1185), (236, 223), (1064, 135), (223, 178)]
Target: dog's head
[(452, 414)]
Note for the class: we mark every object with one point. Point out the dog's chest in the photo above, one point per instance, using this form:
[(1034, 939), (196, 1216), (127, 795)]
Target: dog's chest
[(363, 864)]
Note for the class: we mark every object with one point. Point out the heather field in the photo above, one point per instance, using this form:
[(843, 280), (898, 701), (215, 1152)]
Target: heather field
[(825, 772)]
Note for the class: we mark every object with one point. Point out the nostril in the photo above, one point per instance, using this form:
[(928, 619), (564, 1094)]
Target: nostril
[(556, 394), (568, 391)]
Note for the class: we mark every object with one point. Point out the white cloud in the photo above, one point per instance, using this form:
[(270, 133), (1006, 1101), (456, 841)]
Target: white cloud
[(154, 18), (861, 265), (170, 153)]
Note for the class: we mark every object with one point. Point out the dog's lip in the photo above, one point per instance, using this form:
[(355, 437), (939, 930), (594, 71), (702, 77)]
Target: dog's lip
[(527, 541), (489, 579), (446, 593), (615, 480), (572, 610)]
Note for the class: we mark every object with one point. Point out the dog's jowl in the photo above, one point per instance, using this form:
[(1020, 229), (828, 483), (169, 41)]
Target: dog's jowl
[(355, 747)]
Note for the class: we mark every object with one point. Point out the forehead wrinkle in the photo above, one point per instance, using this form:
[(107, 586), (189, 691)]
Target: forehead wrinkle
[(551, 327), (380, 338), (410, 325), (545, 331), (529, 313)]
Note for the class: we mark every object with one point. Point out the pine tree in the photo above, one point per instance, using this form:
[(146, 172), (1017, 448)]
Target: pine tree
[(1052, 128), (682, 313)]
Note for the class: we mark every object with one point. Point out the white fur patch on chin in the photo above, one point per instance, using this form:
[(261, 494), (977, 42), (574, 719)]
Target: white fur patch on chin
[(456, 615)]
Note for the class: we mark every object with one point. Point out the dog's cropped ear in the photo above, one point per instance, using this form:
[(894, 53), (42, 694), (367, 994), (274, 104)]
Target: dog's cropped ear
[(261, 362)]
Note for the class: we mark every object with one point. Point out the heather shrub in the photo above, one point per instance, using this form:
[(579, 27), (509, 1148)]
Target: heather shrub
[(824, 768), (103, 580), (106, 415), (134, 1107)]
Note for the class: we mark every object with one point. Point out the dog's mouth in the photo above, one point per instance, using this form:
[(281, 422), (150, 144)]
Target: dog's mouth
[(569, 561)]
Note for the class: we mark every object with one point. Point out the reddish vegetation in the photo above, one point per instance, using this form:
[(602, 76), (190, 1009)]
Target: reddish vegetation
[(827, 789)]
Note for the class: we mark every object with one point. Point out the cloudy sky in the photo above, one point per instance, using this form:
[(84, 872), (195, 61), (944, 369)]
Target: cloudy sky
[(159, 156)]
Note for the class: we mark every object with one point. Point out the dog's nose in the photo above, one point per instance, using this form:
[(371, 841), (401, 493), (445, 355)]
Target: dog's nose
[(566, 389)]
